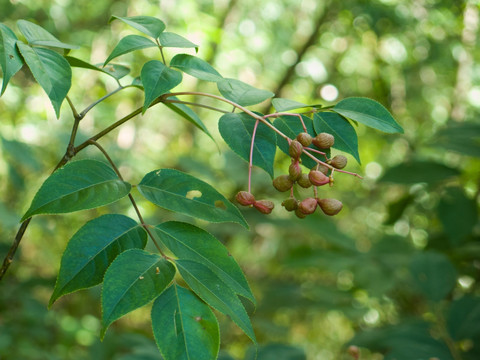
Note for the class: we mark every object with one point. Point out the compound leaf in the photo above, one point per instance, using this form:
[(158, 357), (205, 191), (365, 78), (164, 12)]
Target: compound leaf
[(79, 185)]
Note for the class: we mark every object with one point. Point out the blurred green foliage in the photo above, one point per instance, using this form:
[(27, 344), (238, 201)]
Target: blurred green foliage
[(395, 273)]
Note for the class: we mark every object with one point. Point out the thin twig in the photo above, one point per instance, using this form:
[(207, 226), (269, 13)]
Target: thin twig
[(250, 163)]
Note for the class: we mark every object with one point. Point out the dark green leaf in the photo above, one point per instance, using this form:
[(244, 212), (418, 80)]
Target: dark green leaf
[(188, 242), (128, 44), (463, 320), (242, 93), (79, 185), (157, 79), (174, 190), (237, 131), (114, 70), (196, 67), (458, 214), (344, 133), (36, 35), (368, 112), (168, 39), (93, 248), (419, 172), (135, 278), (397, 208), (292, 126), (433, 274), (10, 59), (51, 71), (184, 326), (211, 289), (146, 24), (282, 105), (462, 137)]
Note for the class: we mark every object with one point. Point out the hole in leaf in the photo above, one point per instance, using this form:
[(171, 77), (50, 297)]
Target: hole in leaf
[(193, 194)]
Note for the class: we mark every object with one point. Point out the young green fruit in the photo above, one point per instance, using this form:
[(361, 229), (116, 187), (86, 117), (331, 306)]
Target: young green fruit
[(330, 206), (245, 198), (304, 181), (294, 170), (323, 140), (290, 204), (304, 138), (283, 183), (318, 178), (299, 214), (295, 149), (308, 205), (264, 206), (339, 161)]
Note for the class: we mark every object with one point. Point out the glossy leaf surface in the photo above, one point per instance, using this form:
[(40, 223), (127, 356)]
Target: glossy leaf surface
[(241, 93), (79, 185), (177, 191), (184, 327), (157, 79), (195, 67), (93, 248)]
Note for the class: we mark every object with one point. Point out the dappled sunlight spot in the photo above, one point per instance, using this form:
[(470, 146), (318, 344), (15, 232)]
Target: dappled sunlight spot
[(329, 92), (126, 136), (192, 194), (371, 317), (466, 282), (373, 170)]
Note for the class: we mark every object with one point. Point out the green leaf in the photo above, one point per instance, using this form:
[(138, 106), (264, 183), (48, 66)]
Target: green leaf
[(128, 44), (135, 278), (168, 39), (146, 24), (187, 113), (93, 248), (281, 104), (79, 185), (397, 208), (37, 35), (237, 131), (292, 126), (174, 190), (463, 319), (418, 171), (157, 79), (458, 214), (51, 71), (188, 242), (344, 133), (276, 352), (211, 289), (433, 274), (242, 93), (461, 137), (114, 70), (196, 67), (10, 59), (368, 112), (184, 327)]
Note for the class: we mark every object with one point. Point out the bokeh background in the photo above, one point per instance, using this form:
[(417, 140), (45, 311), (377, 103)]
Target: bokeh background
[(322, 283)]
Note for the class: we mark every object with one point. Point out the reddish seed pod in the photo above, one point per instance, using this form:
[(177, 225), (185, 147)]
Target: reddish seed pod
[(323, 140), (304, 138), (330, 207), (308, 205), (339, 161), (290, 204), (245, 198), (322, 168), (304, 181), (264, 206), (283, 183), (354, 352), (318, 178), (294, 170), (295, 150)]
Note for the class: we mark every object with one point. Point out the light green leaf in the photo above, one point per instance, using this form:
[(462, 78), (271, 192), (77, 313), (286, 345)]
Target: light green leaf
[(211, 289), (10, 59), (237, 131), (368, 112), (177, 191), (135, 278), (242, 93), (128, 44), (37, 35), (146, 24), (184, 327), (157, 79), (93, 248), (51, 71), (79, 185), (168, 39), (114, 70), (281, 104), (344, 133), (196, 67), (188, 242)]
